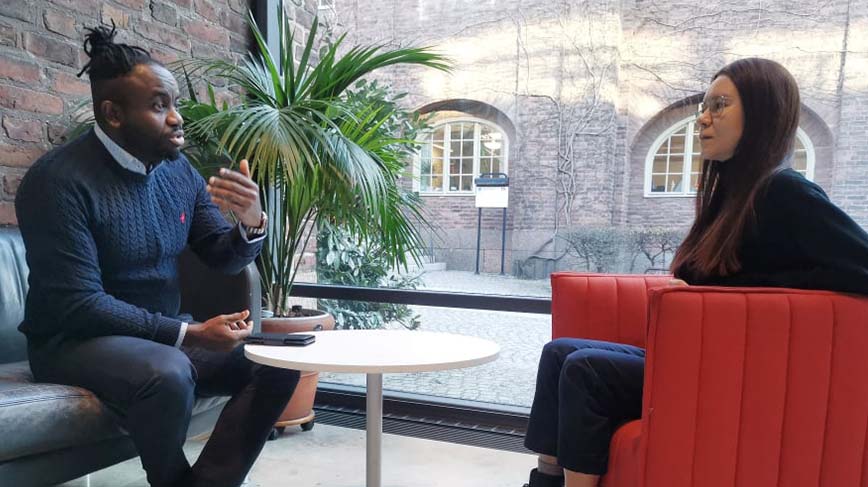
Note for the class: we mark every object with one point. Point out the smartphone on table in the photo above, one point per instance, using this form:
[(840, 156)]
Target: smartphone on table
[(280, 339)]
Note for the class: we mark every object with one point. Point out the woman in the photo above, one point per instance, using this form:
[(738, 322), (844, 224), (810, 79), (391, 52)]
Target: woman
[(758, 223)]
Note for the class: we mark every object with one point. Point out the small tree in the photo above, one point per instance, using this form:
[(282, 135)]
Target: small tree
[(597, 248), (656, 244)]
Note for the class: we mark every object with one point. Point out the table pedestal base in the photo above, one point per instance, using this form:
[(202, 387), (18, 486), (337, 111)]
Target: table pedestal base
[(374, 430)]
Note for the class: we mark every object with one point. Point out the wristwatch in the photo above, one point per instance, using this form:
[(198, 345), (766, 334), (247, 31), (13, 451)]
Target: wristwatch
[(260, 230)]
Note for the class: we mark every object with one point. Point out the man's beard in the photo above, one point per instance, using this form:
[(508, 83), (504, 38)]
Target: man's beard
[(171, 154)]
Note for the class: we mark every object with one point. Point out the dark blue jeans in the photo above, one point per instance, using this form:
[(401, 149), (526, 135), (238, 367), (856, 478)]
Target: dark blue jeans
[(585, 389), (152, 387)]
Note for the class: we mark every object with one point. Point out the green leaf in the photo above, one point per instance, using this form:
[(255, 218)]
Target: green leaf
[(320, 152)]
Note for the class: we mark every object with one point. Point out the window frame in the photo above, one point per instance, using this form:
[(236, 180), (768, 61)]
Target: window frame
[(690, 124), (427, 137), (810, 154)]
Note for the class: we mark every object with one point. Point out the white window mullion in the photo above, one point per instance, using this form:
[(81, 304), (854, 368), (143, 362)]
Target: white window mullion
[(476, 151), (504, 155), (447, 157), (428, 139), (417, 173), (687, 169), (809, 153)]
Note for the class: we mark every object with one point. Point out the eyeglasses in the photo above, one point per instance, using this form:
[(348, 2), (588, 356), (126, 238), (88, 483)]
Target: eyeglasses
[(715, 106)]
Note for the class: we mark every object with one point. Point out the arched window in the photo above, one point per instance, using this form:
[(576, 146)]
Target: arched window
[(673, 164), (455, 152), (803, 159)]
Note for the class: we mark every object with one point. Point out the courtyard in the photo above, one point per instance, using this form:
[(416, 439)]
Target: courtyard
[(509, 380)]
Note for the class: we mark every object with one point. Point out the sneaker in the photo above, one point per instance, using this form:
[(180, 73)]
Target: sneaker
[(539, 479)]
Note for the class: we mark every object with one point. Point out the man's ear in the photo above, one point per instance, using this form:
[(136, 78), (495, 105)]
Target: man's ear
[(112, 113)]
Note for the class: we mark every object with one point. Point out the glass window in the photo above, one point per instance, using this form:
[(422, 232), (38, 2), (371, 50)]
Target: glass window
[(803, 156), (431, 163), (597, 121), (675, 158), (469, 147)]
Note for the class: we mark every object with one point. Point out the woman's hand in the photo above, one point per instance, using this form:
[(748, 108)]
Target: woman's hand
[(677, 282)]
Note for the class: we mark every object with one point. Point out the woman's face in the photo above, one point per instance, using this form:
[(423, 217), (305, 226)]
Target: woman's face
[(721, 120)]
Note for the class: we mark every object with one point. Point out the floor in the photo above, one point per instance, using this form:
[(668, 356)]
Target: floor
[(335, 457), (331, 456)]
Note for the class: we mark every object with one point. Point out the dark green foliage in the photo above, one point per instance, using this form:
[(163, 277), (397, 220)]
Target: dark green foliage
[(344, 259)]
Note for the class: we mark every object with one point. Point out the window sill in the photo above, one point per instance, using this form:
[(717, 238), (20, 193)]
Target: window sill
[(449, 195), (670, 195)]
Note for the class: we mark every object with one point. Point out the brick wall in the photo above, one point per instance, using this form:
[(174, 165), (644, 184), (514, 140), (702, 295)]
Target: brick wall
[(850, 187), (527, 60), (598, 81), (40, 53), (671, 54)]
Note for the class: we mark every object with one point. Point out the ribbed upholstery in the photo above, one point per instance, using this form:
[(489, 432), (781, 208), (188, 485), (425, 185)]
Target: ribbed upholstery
[(625, 456), (608, 307), (744, 387), (756, 387)]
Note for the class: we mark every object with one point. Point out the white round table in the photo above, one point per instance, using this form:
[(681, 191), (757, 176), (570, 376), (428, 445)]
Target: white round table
[(375, 352)]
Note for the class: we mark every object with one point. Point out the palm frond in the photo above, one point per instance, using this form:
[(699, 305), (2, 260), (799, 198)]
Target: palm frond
[(315, 155)]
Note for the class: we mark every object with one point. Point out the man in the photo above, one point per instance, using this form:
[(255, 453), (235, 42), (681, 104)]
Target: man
[(104, 219)]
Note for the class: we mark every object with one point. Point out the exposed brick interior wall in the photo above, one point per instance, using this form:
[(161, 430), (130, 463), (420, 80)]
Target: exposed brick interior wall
[(40, 54)]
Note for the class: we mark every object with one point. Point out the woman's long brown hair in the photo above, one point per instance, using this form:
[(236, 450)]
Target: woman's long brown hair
[(728, 190)]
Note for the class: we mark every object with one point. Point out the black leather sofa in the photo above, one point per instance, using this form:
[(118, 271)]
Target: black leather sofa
[(51, 433)]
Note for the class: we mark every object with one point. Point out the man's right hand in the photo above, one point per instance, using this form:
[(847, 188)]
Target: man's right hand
[(221, 333)]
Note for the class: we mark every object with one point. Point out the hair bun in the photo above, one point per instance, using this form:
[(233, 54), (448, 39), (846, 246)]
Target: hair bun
[(109, 60), (99, 38)]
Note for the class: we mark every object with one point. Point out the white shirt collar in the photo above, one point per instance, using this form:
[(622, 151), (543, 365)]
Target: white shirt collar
[(124, 158)]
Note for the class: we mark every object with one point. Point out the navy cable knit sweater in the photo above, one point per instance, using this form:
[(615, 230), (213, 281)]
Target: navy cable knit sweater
[(103, 243)]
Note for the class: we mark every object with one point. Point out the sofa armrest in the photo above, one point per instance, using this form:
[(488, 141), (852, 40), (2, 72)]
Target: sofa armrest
[(755, 387), (609, 307), (206, 293)]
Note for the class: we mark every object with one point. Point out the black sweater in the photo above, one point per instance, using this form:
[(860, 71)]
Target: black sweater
[(800, 240)]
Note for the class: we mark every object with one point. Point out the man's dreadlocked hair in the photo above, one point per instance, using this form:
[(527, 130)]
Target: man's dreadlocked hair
[(109, 60)]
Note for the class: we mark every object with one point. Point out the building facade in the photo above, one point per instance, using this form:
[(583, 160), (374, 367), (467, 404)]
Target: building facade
[(589, 108)]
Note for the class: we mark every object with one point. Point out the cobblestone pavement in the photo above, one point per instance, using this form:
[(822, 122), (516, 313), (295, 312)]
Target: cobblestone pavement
[(509, 379)]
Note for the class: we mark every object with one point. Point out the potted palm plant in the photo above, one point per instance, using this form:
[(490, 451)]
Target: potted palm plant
[(316, 156)]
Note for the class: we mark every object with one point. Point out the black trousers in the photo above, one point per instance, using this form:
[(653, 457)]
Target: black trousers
[(585, 390), (152, 388)]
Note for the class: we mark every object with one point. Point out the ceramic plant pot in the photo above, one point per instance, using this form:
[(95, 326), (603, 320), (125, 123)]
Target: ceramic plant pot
[(299, 410)]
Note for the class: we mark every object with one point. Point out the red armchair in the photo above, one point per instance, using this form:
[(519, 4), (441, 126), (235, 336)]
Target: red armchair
[(746, 387)]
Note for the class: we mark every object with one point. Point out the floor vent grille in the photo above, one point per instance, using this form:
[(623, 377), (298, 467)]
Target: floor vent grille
[(431, 429)]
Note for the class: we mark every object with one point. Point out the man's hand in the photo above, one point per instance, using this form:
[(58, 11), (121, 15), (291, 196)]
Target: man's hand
[(221, 333), (233, 190)]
